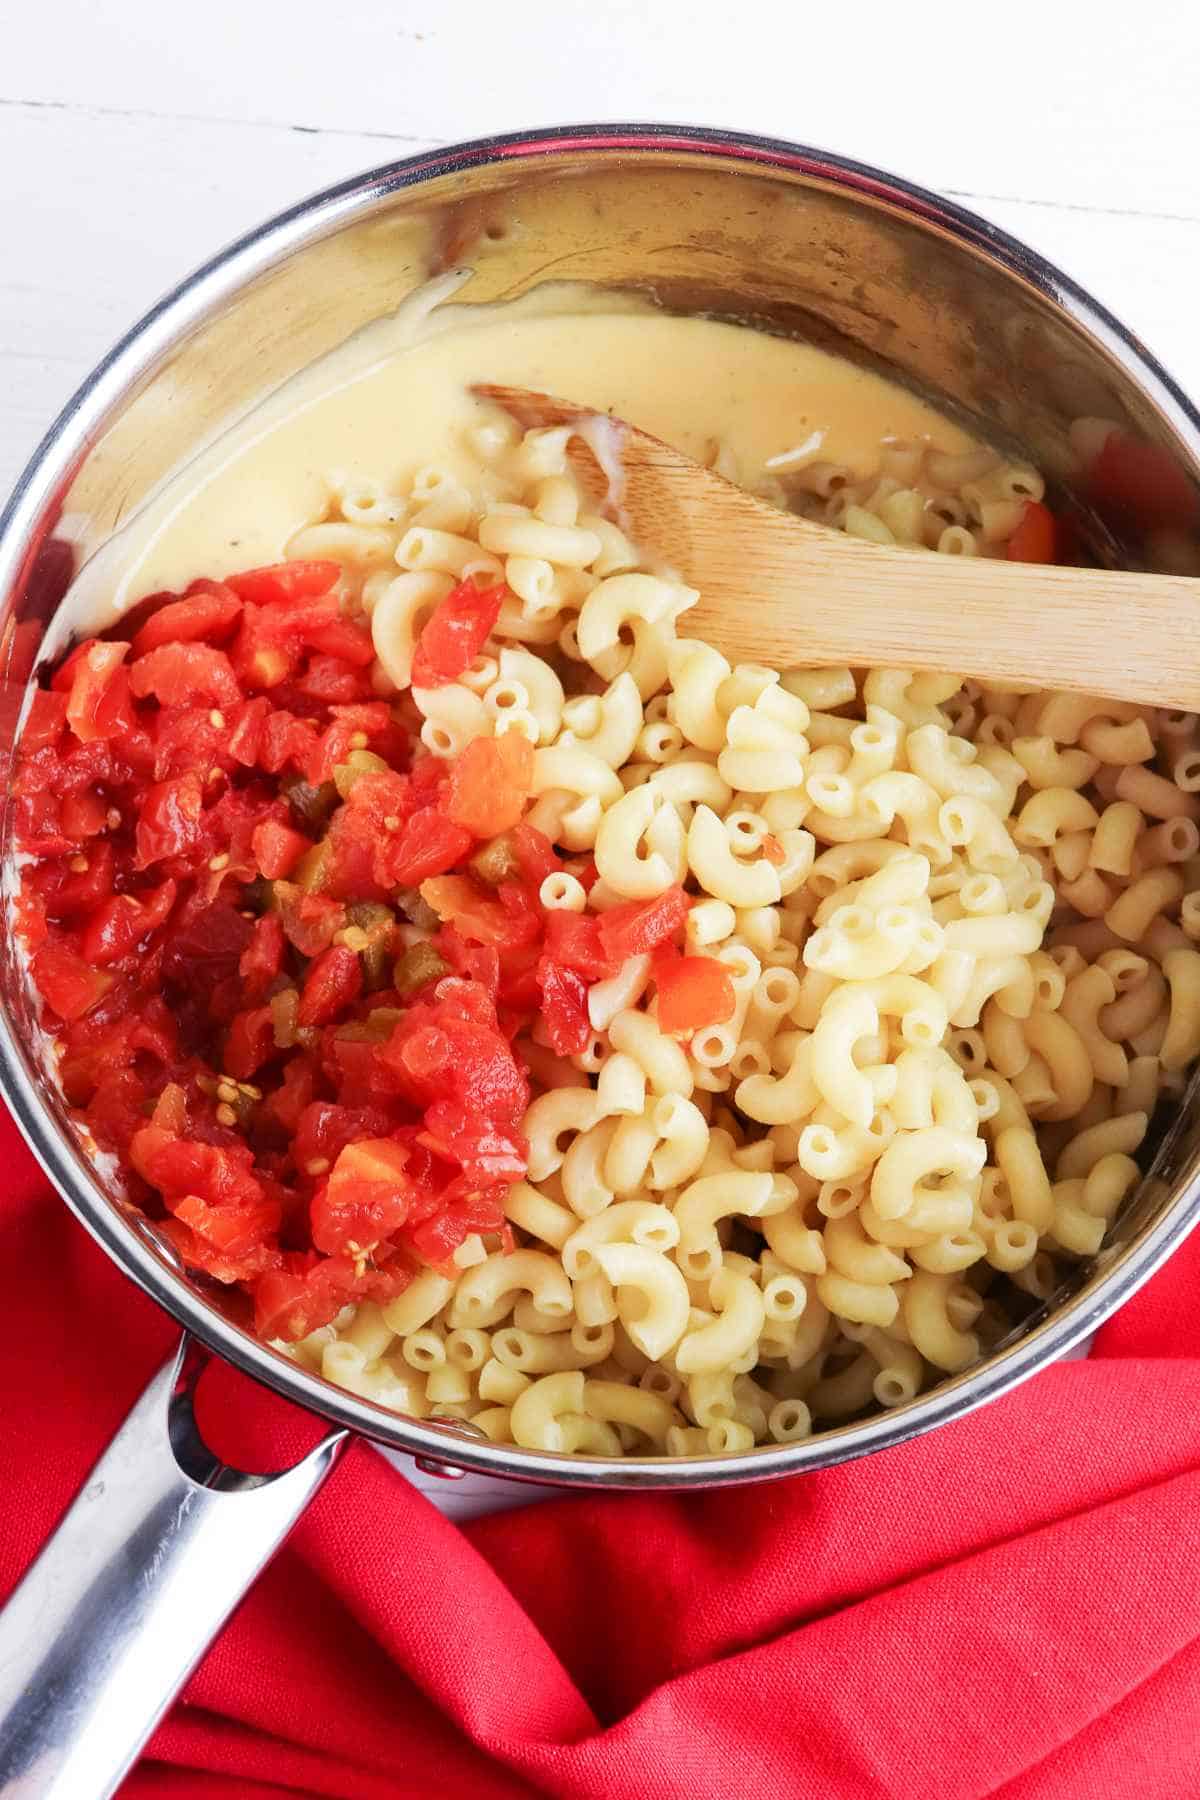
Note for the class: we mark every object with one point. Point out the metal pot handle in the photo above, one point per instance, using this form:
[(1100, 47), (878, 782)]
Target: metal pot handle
[(156, 1551)]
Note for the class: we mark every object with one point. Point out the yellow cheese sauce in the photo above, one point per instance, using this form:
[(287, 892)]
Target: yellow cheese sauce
[(397, 396)]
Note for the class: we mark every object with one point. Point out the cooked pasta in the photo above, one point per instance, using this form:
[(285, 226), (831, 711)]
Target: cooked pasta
[(902, 1176)]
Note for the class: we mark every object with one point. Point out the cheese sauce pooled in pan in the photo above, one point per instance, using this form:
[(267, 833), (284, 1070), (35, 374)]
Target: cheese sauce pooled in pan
[(397, 397)]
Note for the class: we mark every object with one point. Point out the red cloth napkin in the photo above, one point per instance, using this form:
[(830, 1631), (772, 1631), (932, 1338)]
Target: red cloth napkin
[(1009, 1607)]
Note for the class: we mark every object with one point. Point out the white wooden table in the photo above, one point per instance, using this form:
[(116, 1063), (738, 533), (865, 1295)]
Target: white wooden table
[(136, 138)]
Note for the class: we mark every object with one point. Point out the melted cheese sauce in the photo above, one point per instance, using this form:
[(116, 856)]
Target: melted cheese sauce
[(398, 396)]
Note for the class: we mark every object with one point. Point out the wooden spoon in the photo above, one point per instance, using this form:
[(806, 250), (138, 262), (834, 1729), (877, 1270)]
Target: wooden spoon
[(780, 590)]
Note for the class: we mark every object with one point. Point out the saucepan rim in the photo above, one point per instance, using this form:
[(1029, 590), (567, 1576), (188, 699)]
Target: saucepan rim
[(135, 358)]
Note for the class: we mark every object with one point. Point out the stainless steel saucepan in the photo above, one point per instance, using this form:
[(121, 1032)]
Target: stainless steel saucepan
[(163, 1540)]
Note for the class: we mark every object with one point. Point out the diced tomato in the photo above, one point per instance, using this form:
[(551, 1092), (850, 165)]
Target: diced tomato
[(101, 1045), (466, 1001), (306, 1292), (505, 921), (250, 1043), (245, 730), (1036, 539), (67, 983), (382, 799), (184, 675), (30, 921), (328, 752), (693, 991), (455, 633), (97, 1046), (206, 616), (277, 848), (155, 1032), (356, 1071), (38, 828), (343, 639), (428, 778), (84, 889), (259, 663), (333, 980), (325, 1127), (83, 815), (366, 1198), (262, 959), (435, 1240), (98, 689), (428, 844), (364, 833), (115, 1109), (573, 941), (1141, 484), (67, 768), (564, 1008), (286, 582), (170, 1110), (524, 913), (348, 727), (518, 995), (169, 819), (285, 739), (186, 741), (477, 962), (309, 920), (91, 655), (285, 1106), (329, 679), (641, 925), (489, 784), (205, 946), (435, 1057), (535, 853), (385, 736), (356, 859), (119, 925), (229, 1243), (232, 1229), (288, 1306), (487, 1152), (178, 1166), (204, 749), (45, 721)]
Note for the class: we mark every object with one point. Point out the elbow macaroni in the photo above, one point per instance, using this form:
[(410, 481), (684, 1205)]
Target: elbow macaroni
[(957, 921)]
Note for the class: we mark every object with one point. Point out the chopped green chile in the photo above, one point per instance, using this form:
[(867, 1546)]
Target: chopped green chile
[(376, 1028), (356, 765), (285, 1008), (418, 912), (419, 965), (312, 806), (379, 924), (370, 915), (495, 862), (311, 873)]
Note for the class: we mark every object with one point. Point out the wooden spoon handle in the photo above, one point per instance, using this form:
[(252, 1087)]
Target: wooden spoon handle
[(823, 597), (780, 590)]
